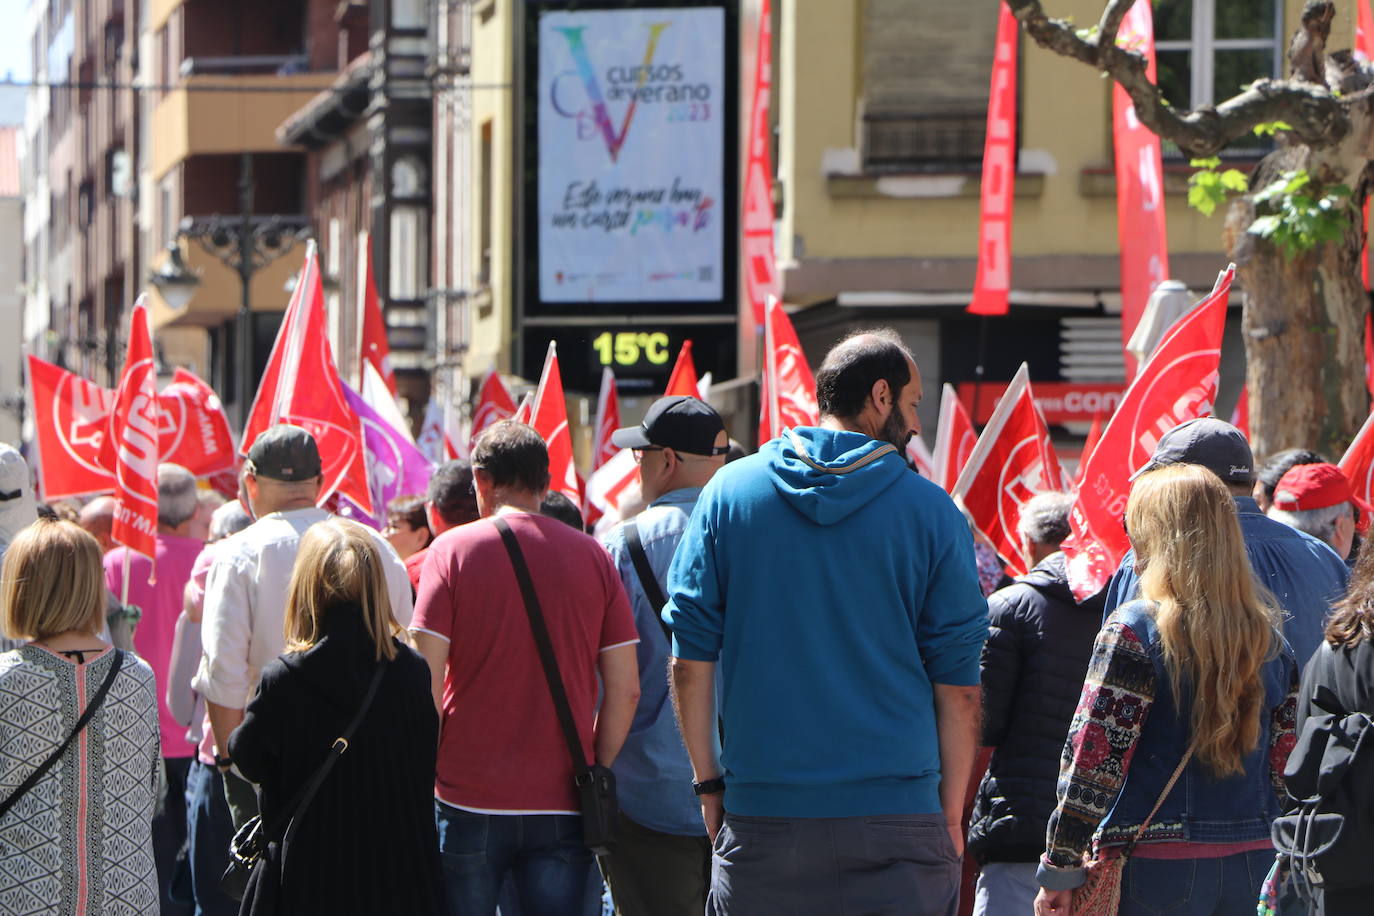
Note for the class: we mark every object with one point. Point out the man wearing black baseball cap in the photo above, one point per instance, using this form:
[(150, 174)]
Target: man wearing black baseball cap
[(1304, 574), (662, 861)]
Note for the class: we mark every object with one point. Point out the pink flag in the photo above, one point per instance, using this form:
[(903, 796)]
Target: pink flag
[(1177, 383), (992, 286), (1139, 187), (954, 439), (607, 420), (301, 386), (133, 440), (1013, 461), (760, 266), (549, 417), (788, 395)]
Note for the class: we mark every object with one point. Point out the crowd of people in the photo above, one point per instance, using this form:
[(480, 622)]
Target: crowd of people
[(796, 683)]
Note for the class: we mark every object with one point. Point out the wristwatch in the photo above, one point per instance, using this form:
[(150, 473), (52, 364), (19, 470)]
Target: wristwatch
[(709, 787)]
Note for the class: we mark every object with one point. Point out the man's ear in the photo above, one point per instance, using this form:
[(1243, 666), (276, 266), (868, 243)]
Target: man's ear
[(881, 393)]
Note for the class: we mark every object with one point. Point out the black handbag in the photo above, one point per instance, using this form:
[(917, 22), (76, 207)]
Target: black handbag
[(81, 723), (595, 784), (255, 854)]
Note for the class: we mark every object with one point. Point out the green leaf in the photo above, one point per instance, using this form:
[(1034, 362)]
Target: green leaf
[(1235, 180), (1264, 226), (1211, 162), (1271, 128)]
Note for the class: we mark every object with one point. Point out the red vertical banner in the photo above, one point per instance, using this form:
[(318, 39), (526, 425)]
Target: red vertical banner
[(1140, 223), (788, 394), (133, 441), (760, 266), (992, 285), (1364, 50)]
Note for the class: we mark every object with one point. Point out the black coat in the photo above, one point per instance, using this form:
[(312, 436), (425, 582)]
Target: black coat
[(367, 843), (1034, 662)]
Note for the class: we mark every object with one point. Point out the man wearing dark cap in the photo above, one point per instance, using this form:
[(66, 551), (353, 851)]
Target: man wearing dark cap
[(1304, 574), (663, 862), (245, 592)]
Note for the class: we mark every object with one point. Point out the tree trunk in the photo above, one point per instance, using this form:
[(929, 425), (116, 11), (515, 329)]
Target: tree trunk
[(1303, 319)]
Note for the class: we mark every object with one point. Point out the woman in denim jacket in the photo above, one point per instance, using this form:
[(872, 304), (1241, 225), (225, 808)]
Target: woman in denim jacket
[(1199, 662)]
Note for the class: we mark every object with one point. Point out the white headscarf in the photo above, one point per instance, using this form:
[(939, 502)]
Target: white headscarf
[(18, 508)]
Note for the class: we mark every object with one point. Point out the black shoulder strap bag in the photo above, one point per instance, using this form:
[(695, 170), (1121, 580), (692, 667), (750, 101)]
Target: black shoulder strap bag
[(595, 783), (252, 846), (647, 580), (41, 770)]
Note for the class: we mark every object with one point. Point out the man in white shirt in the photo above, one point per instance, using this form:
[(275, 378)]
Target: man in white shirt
[(245, 592)]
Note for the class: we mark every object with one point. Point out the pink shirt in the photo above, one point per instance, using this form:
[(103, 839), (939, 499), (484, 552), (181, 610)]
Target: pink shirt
[(160, 603), (500, 747)]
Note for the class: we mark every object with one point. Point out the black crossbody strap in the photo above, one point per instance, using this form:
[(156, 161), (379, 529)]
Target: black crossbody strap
[(544, 644), (81, 723), (647, 580), (307, 794)]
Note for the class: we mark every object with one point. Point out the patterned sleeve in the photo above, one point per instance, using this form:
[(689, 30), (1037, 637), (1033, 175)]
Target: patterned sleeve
[(1283, 735), (1117, 694)]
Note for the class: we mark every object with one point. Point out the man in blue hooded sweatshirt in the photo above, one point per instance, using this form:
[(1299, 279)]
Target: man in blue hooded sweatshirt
[(837, 590)]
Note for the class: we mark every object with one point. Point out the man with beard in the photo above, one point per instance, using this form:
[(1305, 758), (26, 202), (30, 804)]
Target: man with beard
[(838, 592)]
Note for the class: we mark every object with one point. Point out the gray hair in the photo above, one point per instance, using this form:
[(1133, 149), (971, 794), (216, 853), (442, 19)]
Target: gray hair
[(1320, 523), (177, 499), (228, 519), (1045, 518)]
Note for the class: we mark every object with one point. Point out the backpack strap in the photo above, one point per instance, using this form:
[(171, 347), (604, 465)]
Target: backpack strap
[(647, 580)]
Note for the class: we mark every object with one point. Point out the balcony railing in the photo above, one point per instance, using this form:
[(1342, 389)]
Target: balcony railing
[(246, 64), (923, 142)]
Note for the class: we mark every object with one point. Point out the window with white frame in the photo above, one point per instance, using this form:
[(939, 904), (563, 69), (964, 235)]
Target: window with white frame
[(1208, 50)]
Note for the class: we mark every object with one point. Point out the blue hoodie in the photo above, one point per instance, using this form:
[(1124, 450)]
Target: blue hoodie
[(833, 585)]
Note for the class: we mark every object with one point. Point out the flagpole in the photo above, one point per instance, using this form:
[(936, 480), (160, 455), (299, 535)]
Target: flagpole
[(980, 366), (124, 584)]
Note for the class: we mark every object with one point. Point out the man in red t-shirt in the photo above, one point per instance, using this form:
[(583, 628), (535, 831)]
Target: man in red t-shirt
[(504, 790), (449, 502)]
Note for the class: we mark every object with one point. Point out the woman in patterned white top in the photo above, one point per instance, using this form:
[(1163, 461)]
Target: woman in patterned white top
[(79, 841)]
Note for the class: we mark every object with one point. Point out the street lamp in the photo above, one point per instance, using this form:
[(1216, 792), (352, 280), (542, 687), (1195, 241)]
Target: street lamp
[(175, 281), (245, 244)]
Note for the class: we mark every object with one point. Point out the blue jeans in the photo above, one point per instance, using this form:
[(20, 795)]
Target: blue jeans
[(1005, 889), (209, 830), (543, 852), (1228, 886)]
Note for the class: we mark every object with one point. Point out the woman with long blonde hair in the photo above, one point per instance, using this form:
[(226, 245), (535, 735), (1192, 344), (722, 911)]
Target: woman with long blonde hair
[(366, 841), (1186, 712)]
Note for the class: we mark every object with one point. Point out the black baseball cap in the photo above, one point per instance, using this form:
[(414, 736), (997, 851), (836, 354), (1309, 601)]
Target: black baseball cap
[(1214, 444), (682, 423), (285, 452)]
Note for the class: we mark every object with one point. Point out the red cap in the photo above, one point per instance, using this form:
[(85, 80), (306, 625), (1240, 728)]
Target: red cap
[(1317, 486)]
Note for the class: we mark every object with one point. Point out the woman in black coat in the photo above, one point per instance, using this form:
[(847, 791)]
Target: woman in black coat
[(366, 843)]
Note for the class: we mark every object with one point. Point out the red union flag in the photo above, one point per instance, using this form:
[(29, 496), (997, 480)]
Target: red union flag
[(71, 419), (301, 386), (494, 404), (760, 265), (133, 442), (954, 439), (683, 381), (1012, 462), (549, 417), (992, 286), (1139, 186), (788, 394), (193, 430), (1358, 461), (1178, 383), (607, 420), (374, 346)]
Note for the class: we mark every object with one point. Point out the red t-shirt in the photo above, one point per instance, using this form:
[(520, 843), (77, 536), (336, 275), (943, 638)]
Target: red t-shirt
[(500, 749), (414, 563)]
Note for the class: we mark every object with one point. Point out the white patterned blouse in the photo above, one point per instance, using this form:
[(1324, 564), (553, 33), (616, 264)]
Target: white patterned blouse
[(79, 841)]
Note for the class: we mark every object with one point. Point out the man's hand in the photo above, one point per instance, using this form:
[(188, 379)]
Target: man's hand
[(956, 836), (713, 813), (1053, 903)]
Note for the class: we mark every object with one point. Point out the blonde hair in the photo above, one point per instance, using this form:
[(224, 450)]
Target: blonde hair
[(1216, 627), (338, 564), (52, 581)]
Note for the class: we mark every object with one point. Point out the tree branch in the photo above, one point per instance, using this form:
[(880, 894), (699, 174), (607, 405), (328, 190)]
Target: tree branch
[(1317, 117), (1110, 23)]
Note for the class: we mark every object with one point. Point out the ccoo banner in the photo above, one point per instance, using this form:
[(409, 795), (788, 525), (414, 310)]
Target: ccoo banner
[(631, 121)]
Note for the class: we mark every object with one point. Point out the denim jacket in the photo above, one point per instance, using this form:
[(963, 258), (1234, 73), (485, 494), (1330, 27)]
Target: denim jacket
[(1128, 736)]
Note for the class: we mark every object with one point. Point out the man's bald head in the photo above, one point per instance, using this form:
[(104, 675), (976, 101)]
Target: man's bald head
[(845, 380), (97, 517)]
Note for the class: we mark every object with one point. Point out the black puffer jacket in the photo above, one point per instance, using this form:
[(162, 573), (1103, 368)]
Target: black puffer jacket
[(1039, 643)]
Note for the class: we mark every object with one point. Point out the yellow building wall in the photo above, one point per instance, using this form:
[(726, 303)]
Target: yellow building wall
[(1065, 129)]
